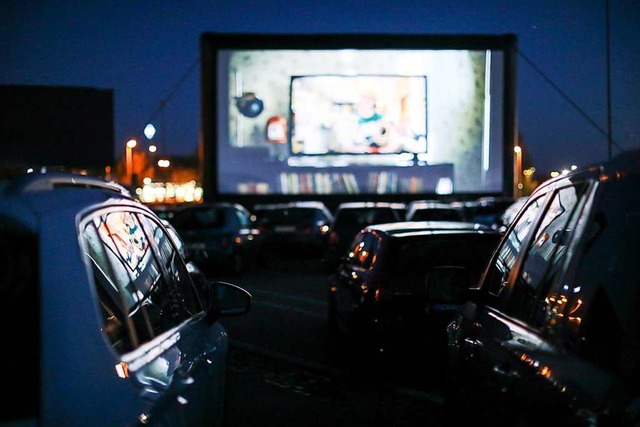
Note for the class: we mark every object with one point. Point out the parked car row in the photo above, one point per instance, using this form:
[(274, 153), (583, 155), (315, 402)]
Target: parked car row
[(532, 320), (229, 238)]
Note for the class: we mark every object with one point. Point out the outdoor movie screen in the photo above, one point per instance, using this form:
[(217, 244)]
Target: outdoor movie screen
[(351, 114)]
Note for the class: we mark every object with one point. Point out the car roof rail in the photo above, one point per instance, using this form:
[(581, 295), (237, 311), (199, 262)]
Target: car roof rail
[(33, 182)]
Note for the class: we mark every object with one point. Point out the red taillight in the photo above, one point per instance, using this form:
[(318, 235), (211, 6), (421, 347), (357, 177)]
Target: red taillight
[(382, 293), (334, 238)]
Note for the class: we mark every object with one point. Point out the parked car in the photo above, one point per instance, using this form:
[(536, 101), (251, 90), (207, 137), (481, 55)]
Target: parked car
[(164, 211), (379, 296), (426, 210), (219, 235), (349, 219), (103, 321), (294, 227), (551, 330)]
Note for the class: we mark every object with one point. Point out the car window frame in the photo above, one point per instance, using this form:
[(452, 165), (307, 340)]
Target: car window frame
[(164, 275), (538, 237), (501, 301)]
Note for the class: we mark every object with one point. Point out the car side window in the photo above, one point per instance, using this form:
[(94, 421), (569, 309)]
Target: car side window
[(137, 301), (508, 252), (241, 219), (178, 276), (544, 255)]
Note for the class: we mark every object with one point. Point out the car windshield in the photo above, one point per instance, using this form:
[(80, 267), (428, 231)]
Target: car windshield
[(288, 216)]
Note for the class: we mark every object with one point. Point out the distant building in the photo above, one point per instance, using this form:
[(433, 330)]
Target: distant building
[(58, 128)]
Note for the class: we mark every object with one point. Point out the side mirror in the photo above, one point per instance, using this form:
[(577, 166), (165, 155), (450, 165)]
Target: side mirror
[(228, 300), (561, 237), (447, 285)]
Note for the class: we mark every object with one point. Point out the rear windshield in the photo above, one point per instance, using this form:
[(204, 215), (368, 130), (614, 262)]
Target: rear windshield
[(290, 216), (199, 218), (366, 216), (419, 255)]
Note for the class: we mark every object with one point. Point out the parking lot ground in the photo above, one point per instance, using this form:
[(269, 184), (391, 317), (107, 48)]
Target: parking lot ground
[(265, 390)]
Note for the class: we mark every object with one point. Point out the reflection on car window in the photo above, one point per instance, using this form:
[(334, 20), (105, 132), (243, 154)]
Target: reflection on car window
[(546, 250), (138, 301), (509, 249), (178, 276), (363, 251)]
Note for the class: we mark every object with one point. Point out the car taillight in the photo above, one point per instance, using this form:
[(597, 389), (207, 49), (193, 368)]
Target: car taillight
[(334, 238), (382, 293)]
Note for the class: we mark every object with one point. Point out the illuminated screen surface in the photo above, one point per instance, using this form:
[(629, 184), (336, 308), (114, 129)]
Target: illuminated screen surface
[(332, 114), (289, 115)]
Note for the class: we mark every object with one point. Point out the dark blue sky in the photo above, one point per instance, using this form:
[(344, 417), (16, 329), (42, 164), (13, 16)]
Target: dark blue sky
[(143, 50)]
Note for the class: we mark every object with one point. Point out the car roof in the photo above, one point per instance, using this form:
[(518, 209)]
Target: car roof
[(430, 204), (361, 205), (620, 166), (211, 205), (294, 204), (34, 182), (32, 196), (424, 227)]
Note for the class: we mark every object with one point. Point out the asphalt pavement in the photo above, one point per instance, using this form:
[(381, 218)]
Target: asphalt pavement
[(269, 390)]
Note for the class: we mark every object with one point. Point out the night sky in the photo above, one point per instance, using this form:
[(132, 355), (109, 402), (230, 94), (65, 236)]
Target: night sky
[(148, 53)]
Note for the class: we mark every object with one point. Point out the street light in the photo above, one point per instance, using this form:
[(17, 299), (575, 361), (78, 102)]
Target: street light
[(129, 159), (517, 171)]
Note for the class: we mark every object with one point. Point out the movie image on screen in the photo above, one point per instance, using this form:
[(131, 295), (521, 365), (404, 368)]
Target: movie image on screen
[(356, 114), (332, 114)]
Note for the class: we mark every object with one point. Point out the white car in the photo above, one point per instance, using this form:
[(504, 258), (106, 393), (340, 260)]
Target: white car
[(101, 321)]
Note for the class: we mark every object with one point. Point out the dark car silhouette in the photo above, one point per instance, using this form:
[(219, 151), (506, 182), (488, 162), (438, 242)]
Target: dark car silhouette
[(380, 298), (349, 219), (551, 332)]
